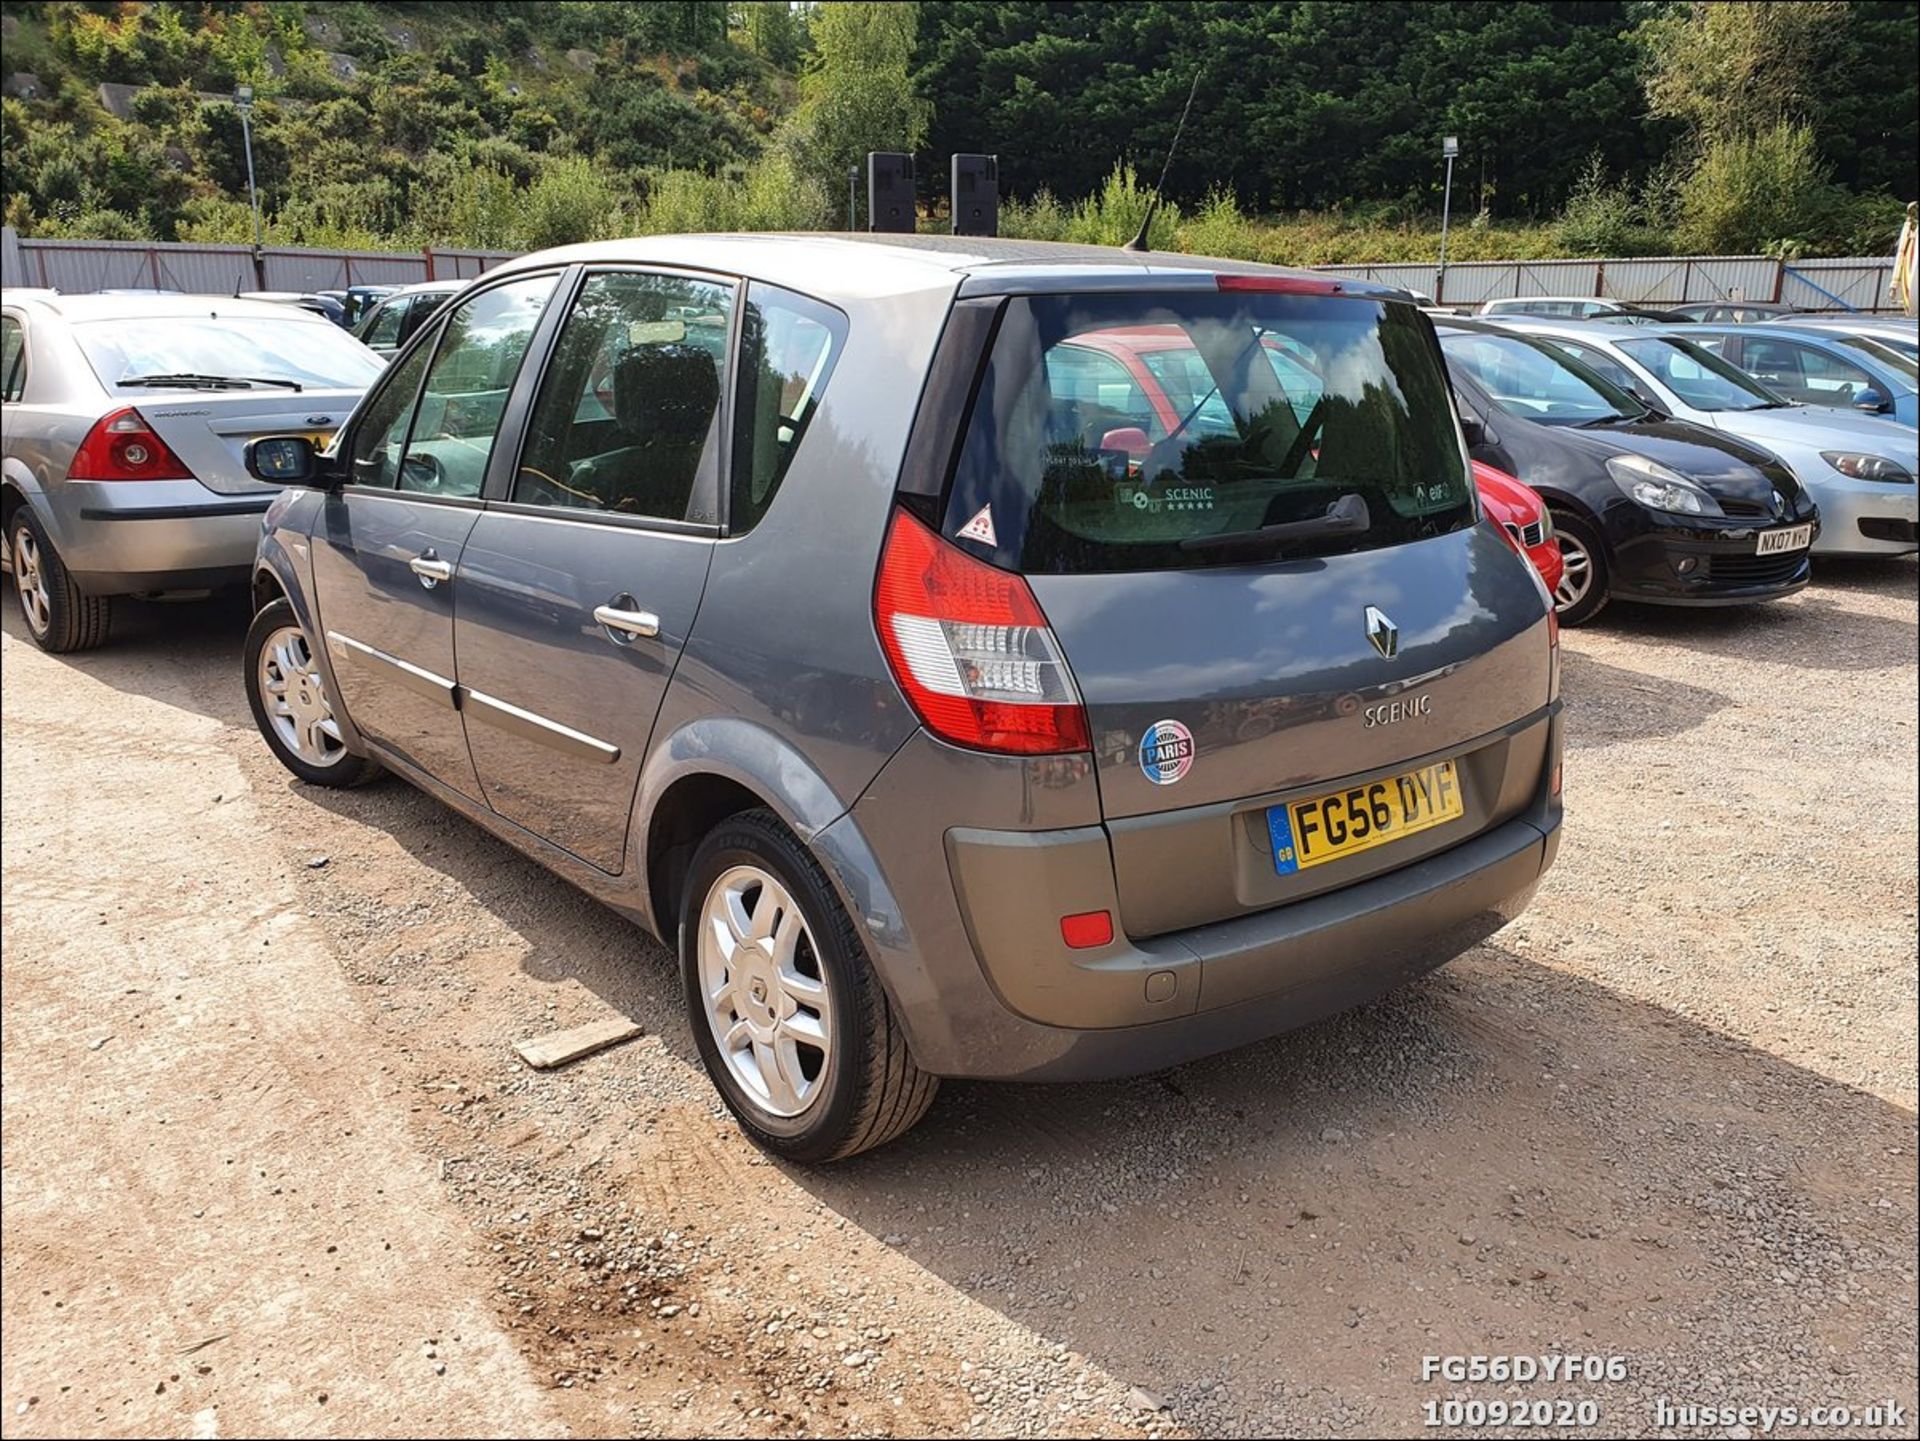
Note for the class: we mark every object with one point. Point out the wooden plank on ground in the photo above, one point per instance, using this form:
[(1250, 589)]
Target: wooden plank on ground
[(543, 1053)]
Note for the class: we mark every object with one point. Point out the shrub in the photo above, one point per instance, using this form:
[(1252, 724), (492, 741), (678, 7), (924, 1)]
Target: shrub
[(1113, 215), (1041, 218), (1221, 230), (573, 200), (1605, 217), (1764, 192)]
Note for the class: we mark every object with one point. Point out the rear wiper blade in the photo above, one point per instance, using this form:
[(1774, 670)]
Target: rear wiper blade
[(185, 377), (1346, 516)]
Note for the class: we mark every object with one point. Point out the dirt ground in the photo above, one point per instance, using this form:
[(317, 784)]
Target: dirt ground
[(271, 1165)]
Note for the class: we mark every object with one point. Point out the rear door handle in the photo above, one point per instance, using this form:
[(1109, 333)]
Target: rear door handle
[(430, 570), (623, 625)]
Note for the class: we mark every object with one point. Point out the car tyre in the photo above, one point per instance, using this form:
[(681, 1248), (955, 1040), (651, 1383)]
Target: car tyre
[(287, 692), (1583, 584), (60, 616), (754, 974)]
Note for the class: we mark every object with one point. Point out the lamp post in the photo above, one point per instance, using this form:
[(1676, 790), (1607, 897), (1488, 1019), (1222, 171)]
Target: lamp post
[(853, 197), (1450, 148), (243, 102)]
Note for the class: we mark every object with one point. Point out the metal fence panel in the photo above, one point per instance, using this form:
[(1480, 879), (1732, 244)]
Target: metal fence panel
[(465, 264), (1863, 284), (294, 269)]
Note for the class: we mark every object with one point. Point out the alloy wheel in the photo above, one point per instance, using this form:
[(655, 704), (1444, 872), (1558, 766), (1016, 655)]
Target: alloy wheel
[(295, 695), (766, 999), (30, 580), (1576, 573)]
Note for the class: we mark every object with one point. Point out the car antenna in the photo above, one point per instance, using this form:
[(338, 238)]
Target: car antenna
[(1139, 241)]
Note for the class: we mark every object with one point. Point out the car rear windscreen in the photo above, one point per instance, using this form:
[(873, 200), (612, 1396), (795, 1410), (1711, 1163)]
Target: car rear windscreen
[(314, 354), (1165, 430)]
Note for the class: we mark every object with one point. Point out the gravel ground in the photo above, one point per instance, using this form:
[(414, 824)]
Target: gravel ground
[(1667, 1116)]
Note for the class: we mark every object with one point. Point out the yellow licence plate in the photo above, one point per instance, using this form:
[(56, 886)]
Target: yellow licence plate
[(1309, 833)]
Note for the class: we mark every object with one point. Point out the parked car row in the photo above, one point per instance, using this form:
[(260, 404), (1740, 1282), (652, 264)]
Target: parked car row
[(972, 658)]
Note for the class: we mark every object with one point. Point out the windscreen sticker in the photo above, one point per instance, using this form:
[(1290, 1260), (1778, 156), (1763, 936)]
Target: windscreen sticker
[(1166, 752), (980, 528)]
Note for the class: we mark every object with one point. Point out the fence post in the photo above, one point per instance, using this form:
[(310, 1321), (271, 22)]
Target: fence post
[(1686, 283), (153, 262), (1779, 280), (427, 251), (1600, 280)]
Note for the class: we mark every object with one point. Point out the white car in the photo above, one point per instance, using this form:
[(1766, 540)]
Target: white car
[(1859, 468)]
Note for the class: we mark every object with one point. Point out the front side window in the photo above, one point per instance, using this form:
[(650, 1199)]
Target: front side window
[(1699, 377), (380, 430), (1537, 381), (628, 415), (1804, 372), (13, 357), (788, 347), (475, 362), (440, 444), (1156, 431), (383, 328)]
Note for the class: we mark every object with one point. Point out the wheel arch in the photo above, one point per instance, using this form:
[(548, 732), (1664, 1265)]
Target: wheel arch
[(705, 771)]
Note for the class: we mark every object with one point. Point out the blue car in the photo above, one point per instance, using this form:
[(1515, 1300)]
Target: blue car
[(1844, 371)]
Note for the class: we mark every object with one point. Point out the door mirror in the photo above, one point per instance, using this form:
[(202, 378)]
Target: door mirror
[(1130, 438), (1472, 431), (1640, 394), (1872, 401), (283, 460)]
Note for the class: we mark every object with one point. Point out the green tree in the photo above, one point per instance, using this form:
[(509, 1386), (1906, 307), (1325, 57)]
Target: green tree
[(1727, 70), (858, 92)]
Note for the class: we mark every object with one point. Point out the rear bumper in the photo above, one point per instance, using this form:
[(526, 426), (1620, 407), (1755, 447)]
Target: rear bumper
[(121, 536), (983, 958)]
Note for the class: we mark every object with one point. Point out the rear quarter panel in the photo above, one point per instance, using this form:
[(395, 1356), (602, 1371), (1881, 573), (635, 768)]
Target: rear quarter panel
[(783, 646)]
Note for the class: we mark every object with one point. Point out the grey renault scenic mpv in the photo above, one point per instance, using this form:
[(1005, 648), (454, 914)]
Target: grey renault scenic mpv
[(977, 658)]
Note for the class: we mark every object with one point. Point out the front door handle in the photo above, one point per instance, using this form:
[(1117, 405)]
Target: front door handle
[(430, 570), (624, 623)]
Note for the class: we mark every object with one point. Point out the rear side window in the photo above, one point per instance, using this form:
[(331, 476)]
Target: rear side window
[(788, 347), (13, 357), (628, 413), (1160, 431)]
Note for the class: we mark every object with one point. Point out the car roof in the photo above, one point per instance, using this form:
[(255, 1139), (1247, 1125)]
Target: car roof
[(427, 287), (853, 266), (79, 308), (1556, 300)]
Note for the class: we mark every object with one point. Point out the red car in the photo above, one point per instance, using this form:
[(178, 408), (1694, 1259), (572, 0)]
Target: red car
[(1517, 508), (1124, 367)]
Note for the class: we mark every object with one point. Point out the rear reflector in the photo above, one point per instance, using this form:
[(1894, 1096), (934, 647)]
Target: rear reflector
[(971, 648), (1087, 930), (1280, 284), (122, 446)]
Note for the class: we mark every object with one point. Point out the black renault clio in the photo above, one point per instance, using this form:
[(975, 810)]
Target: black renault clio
[(1647, 507)]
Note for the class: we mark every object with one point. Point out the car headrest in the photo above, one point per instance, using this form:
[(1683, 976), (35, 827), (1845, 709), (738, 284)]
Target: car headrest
[(665, 393)]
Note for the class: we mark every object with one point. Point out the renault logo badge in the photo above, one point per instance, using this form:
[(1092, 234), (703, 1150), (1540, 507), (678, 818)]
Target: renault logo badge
[(1384, 634)]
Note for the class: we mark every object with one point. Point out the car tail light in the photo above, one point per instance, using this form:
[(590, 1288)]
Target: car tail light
[(122, 446), (972, 649), (1280, 284)]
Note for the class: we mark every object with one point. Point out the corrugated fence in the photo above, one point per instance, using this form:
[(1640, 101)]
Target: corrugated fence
[(77, 266), (1859, 284)]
